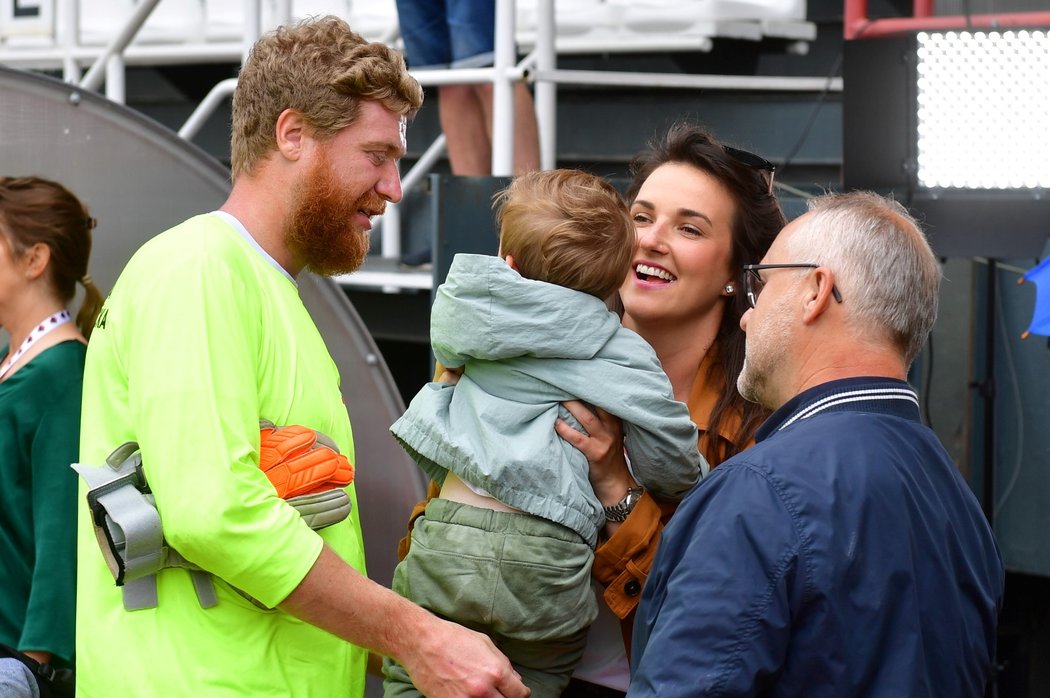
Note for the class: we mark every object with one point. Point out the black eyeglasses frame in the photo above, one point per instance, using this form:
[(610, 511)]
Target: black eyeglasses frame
[(751, 276)]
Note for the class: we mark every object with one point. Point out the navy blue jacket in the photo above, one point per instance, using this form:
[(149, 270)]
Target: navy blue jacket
[(842, 555)]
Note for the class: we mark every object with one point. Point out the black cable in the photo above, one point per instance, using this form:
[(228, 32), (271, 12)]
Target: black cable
[(988, 389), (835, 67), (927, 378), (928, 381)]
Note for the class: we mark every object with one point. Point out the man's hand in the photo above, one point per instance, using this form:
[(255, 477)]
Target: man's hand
[(450, 660), (445, 660)]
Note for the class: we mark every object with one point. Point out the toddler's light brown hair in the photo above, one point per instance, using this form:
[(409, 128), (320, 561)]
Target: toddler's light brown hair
[(567, 227)]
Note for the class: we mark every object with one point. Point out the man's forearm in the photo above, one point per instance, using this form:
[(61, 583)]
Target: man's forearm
[(337, 598), (442, 658)]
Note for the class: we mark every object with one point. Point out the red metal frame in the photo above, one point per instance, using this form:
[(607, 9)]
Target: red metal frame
[(857, 25)]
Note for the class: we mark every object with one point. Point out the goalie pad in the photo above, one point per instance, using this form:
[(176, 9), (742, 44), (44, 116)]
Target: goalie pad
[(304, 466)]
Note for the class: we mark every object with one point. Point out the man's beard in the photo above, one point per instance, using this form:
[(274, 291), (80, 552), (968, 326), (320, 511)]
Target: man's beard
[(768, 346), (319, 231), (748, 383)]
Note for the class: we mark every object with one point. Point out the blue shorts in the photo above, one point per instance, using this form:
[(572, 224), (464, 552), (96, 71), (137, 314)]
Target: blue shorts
[(448, 33)]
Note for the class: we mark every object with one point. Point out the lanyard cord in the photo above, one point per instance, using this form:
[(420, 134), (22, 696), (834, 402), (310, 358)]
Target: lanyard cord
[(46, 325)]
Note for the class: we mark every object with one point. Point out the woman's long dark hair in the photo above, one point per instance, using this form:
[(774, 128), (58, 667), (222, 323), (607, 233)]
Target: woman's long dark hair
[(37, 210), (758, 220)]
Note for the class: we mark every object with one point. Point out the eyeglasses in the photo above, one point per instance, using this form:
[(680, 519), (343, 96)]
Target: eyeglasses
[(753, 283), (751, 160)]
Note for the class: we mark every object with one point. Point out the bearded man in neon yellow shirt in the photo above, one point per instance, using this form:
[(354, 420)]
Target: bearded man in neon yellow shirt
[(203, 335)]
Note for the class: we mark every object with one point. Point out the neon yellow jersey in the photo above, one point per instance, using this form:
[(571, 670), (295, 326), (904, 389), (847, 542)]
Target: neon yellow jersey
[(202, 336)]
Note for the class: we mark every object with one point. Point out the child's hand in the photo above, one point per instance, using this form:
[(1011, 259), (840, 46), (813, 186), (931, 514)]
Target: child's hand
[(450, 375)]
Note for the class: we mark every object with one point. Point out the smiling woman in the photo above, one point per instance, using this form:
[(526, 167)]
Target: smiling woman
[(702, 210), (684, 218)]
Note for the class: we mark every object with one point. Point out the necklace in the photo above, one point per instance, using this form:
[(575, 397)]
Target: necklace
[(46, 325)]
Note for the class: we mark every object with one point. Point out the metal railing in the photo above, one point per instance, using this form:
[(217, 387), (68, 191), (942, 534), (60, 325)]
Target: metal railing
[(539, 67), (858, 25)]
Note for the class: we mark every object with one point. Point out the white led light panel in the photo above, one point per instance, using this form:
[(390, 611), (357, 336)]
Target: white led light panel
[(984, 109)]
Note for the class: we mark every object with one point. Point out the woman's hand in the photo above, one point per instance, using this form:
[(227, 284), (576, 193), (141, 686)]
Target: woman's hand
[(603, 447)]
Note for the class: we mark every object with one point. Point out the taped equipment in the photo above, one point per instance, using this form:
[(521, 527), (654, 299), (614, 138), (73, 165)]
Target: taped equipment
[(304, 466)]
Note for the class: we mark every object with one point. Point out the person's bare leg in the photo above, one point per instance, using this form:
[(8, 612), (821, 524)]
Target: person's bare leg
[(466, 127), (526, 132)]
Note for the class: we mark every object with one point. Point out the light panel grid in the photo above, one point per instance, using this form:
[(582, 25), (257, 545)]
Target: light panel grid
[(983, 109)]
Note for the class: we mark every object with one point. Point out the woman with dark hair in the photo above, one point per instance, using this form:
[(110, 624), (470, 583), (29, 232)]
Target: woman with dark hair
[(702, 210), (45, 242)]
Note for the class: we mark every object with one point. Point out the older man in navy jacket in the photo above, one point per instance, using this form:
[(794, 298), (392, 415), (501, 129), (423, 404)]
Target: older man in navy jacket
[(842, 555)]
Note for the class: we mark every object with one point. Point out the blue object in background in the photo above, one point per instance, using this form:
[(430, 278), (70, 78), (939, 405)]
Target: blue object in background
[(1040, 276)]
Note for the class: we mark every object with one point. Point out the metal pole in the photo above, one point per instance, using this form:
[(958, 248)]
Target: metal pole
[(284, 11), (465, 76), (204, 110), (546, 96), (922, 8), (252, 26), (503, 92), (680, 81), (425, 163), (115, 82), (854, 18), (896, 26), (93, 79), (66, 25), (390, 232)]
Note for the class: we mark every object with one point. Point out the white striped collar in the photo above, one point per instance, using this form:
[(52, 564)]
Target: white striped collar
[(878, 395)]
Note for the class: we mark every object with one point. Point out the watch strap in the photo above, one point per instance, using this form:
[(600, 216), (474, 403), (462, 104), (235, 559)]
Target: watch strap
[(619, 512)]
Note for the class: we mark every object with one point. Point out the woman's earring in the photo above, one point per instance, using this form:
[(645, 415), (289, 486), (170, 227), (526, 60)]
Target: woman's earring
[(730, 289)]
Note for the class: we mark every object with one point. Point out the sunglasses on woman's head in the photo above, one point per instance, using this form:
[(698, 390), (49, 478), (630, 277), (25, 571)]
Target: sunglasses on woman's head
[(753, 161)]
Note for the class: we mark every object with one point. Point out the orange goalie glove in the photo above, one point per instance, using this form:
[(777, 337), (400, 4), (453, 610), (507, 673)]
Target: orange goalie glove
[(300, 461)]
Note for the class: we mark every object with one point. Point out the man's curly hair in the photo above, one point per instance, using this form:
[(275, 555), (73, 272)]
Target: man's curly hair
[(321, 69)]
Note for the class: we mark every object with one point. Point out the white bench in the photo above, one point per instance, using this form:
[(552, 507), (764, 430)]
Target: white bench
[(619, 26)]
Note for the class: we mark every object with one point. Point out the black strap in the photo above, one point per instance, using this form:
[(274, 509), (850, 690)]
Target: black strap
[(53, 683)]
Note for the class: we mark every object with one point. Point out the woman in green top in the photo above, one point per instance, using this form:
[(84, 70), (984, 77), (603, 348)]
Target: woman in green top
[(45, 241)]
